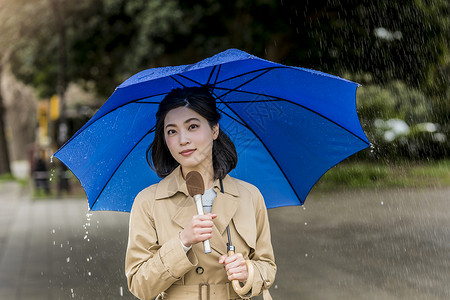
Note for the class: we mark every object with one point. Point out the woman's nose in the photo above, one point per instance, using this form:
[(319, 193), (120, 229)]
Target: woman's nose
[(184, 138)]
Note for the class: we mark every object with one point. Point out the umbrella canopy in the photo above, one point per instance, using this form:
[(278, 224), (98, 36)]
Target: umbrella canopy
[(289, 124)]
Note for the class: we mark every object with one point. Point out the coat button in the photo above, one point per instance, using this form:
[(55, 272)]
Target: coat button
[(199, 270)]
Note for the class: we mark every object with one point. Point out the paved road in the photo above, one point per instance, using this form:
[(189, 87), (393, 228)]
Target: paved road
[(391, 244)]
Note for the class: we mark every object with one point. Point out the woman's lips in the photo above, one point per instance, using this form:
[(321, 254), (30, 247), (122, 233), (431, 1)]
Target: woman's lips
[(187, 152)]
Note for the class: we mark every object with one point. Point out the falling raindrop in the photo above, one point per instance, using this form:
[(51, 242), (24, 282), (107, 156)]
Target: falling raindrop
[(121, 291), (68, 259)]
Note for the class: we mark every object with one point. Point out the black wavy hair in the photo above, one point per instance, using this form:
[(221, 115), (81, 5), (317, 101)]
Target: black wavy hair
[(200, 100)]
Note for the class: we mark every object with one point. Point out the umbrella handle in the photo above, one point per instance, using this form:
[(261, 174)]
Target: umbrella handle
[(242, 290)]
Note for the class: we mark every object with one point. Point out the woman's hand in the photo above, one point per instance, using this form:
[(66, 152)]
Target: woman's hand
[(199, 229), (235, 266)]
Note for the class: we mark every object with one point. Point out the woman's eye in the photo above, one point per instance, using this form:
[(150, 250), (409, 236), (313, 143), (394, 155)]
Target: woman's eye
[(193, 126), (171, 131)]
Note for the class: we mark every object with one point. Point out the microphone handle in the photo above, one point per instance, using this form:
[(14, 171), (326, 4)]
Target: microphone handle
[(198, 203)]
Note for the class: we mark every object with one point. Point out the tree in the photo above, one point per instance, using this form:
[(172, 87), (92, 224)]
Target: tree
[(10, 24), (4, 154), (115, 38)]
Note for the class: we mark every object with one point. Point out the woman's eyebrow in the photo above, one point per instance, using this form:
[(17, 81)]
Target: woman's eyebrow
[(191, 119), (185, 122)]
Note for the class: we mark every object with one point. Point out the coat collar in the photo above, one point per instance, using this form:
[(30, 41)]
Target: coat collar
[(175, 183)]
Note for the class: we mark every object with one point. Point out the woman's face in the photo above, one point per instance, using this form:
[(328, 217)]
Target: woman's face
[(190, 139)]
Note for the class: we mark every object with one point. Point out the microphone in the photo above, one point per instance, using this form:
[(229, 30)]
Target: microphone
[(196, 189)]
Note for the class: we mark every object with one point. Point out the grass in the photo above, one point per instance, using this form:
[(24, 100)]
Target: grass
[(38, 194), (76, 191), (9, 177), (370, 175)]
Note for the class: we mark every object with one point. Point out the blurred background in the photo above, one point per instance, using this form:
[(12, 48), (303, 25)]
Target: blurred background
[(60, 60)]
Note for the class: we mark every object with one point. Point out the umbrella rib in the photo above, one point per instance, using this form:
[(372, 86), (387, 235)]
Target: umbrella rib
[(173, 78), (221, 110), (117, 168), (239, 86), (107, 113), (211, 74), (270, 153), (217, 77), (231, 117), (278, 99), (265, 70)]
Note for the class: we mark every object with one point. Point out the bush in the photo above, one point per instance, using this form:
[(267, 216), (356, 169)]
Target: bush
[(399, 122)]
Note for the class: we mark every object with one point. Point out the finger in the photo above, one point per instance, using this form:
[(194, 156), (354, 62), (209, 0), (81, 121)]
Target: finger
[(234, 257), (222, 258), (239, 275), (208, 216), (202, 223), (202, 231), (213, 216), (235, 266)]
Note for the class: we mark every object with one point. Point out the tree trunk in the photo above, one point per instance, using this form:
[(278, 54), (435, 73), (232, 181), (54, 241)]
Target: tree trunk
[(4, 154), (58, 12)]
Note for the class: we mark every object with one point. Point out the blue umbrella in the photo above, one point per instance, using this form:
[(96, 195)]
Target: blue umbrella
[(290, 125)]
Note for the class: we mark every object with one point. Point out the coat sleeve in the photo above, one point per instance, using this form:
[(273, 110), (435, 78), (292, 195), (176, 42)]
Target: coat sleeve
[(263, 258), (152, 268)]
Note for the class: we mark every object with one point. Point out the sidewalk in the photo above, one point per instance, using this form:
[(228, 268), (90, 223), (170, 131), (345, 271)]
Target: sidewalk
[(11, 195), (51, 249)]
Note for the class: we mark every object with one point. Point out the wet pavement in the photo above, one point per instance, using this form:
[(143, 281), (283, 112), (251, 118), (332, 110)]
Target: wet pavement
[(385, 244)]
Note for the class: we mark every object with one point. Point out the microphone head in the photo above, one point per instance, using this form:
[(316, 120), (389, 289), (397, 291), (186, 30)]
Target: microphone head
[(194, 183)]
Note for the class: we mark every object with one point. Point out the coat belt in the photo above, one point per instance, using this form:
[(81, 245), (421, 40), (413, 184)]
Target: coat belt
[(202, 291)]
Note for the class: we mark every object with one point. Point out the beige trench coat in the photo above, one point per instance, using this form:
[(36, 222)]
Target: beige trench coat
[(156, 263)]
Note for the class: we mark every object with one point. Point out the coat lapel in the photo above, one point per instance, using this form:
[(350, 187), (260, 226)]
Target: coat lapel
[(186, 210), (225, 206)]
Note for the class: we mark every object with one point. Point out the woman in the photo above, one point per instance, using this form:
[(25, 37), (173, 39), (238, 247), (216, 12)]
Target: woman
[(165, 256)]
